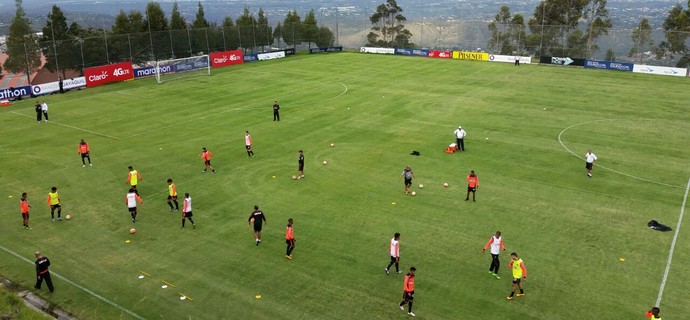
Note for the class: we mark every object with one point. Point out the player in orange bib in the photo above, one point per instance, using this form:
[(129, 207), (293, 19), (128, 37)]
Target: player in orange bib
[(25, 210), (289, 239), (207, 156), (408, 291), (472, 185), (85, 152)]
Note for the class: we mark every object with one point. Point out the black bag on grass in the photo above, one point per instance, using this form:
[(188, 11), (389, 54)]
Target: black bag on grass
[(655, 225)]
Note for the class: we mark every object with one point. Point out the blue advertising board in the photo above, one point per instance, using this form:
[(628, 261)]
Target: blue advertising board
[(151, 71), (412, 52), (607, 65), (251, 57), (15, 92), (328, 49)]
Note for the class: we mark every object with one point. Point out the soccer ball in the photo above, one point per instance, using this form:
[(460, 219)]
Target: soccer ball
[(445, 184), (251, 220), (68, 217), (132, 231), (421, 186), (332, 144), (294, 177), (325, 162), (413, 193)]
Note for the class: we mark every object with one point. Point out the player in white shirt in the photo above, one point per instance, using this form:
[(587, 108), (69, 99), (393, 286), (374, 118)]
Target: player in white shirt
[(44, 108), (394, 251), (131, 200), (496, 244), (187, 210), (248, 144), (589, 159), (460, 134)]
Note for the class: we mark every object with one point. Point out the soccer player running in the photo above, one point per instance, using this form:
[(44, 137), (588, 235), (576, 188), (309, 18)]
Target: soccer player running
[(207, 156), (496, 244), (84, 151), (472, 185), (172, 196), (248, 144), (289, 239), (519, 273), (25, 206), (589, 162), (54, 203), (408, 174), (187, 210), (131, 201), (133, 178), (394, 251), (408, 291), (258, 218), (42, 273), (300, 165)]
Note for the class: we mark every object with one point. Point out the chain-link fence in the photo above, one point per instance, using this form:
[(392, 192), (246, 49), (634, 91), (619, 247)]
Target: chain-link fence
[(67, 57)]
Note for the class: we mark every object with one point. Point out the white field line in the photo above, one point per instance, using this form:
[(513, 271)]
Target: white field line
[(673, 247), (606, 168), (97, 296), (225, 111), (71, 127)]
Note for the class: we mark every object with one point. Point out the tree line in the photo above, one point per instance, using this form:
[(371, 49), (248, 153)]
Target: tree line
[(151, 35)]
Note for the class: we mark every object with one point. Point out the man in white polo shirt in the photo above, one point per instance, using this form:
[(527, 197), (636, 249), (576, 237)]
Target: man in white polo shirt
[(589, 159), (460, 135)]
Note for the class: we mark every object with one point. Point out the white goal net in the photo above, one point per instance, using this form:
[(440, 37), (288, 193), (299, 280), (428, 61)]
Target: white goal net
[(167, 70)]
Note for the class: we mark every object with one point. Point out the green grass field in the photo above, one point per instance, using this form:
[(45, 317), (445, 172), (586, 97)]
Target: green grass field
[(570, 230)]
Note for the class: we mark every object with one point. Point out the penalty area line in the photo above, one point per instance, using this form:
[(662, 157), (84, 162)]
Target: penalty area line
[(95, 295), (71, 127), (673, 247)]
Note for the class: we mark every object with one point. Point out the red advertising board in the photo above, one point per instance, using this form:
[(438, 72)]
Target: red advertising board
[(226, 58), (97, 76), (440, 54)]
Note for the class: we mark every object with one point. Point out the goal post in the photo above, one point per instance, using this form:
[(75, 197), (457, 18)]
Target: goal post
[(167, 70)]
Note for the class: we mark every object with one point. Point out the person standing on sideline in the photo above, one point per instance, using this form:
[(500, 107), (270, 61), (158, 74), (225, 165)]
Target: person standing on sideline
[(248, 144), (131, 201), (394, 251), (517, 60), (207, 155), (472, 185), (172, 196), (289, 239), (39, 111), (133, 178), (496, 244), (61, 85), (519, 272), (25, 206), (258, 218), (187, 210), (85, 152), (300, 165), (408, 291), (460, 136), (44, 108), (408, 174), (276, 112), (589, 162), (42, 273), (54, 203)]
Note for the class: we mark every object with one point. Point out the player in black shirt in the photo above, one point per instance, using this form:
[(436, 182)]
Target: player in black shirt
[(300, 166), (276, 113), (39, 112), (257, 217), (42, 273)]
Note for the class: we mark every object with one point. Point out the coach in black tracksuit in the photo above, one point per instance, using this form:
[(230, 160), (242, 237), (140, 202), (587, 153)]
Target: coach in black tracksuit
[(39, 111), (42, 272), (276, 113)]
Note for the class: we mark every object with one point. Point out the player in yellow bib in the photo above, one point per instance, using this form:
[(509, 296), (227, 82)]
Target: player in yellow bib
[(172, 196), (133, 178), (519, 272), (54, 203), (653, 314)]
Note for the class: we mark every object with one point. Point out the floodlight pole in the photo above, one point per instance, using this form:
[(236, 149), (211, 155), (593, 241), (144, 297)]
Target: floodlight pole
[(543, 19), (52, 30)]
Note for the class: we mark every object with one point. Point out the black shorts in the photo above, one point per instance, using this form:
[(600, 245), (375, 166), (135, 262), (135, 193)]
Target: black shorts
[(300, 167), (25, 216), (408, 296), (394, 259), (470, 189), (589, 165), (207, 162), (84, 155), (187, 214), (133, 209), (172, 197), (249, 147), (408, 182), (55, 206), (257, 227), (516, 280), (290, 242)]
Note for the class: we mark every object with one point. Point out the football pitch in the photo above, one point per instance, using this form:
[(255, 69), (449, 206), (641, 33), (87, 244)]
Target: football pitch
[(522, 123)]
